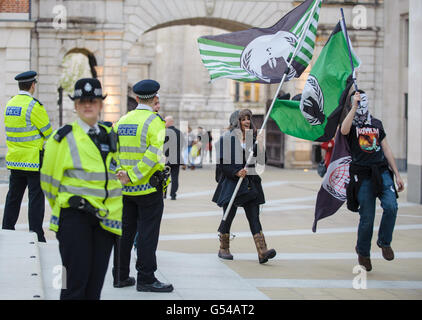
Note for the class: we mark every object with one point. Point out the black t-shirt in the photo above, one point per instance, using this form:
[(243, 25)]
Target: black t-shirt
[(365, 143)]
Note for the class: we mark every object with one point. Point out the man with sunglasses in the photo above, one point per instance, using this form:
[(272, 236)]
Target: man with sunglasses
[(27, 127)]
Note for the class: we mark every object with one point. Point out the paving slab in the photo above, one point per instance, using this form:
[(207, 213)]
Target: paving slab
[(307, 266), (20, 267), (194, 277)]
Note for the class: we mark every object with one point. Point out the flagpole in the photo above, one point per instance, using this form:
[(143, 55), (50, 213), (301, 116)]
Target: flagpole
[(302, 38), (349, 48)]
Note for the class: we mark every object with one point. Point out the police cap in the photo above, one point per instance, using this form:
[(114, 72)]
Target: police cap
[(146, 89), (88, 88), (27, 76)]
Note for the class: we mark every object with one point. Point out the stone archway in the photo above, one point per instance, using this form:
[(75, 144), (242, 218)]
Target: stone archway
[(230, 15), (76, 63), (144, 17), (109, 29)]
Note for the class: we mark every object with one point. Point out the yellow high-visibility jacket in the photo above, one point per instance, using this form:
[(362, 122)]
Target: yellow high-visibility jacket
[(27, 127), (141, 137), (74, 166)]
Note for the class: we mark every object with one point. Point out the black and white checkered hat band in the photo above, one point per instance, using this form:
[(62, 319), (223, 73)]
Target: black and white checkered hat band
[(97, 92), (147, 96), (27, 80)]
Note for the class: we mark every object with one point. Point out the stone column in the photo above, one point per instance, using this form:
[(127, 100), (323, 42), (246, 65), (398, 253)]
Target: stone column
[(394, 81), (112, 73), (15, 53), (414, 156)]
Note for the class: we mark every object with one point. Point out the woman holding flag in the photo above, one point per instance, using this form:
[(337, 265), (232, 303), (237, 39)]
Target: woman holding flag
[(234, 149)]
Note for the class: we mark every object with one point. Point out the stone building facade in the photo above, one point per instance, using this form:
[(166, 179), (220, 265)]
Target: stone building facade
[(135, 39)]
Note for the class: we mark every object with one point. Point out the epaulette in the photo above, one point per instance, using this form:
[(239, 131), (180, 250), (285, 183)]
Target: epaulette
[(106, 123), (37, 101), (62, 132), (160, 117)]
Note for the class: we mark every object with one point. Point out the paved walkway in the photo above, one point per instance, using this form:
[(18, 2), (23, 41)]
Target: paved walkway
[(308, 265)]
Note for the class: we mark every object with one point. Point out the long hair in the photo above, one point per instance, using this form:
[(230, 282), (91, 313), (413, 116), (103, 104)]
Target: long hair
[(246, 113)]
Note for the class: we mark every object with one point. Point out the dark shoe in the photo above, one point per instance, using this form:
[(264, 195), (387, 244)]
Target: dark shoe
[(157, 286), (224, 252), (387, 252), (364, 261), (173, 197), (125, 283)]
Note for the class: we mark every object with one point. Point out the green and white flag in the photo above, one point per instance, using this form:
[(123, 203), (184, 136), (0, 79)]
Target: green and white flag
[(262, 54), (317, 115)]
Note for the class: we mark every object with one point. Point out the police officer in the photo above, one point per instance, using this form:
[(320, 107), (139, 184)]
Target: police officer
[(78, 177), (27, 127), (141, 136)]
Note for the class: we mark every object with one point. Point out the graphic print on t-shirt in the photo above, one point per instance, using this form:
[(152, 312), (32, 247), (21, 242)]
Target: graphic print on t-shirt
[(368, 139)]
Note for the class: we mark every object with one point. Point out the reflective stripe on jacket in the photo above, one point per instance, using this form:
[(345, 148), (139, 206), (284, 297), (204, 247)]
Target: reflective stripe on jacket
[(141, 137), (27, 126), (74, 166)]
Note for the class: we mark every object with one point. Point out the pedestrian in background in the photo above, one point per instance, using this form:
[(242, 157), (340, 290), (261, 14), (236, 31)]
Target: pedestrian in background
[(174, 145), (201, 143), (328, 148), (191, 138)]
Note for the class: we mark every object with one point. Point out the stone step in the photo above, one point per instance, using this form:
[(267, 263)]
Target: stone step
[(20, 266), (194, 277)]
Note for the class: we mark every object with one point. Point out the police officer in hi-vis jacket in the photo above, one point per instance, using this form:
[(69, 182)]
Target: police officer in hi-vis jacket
[(27, 127), (141, 135), (79, 179)]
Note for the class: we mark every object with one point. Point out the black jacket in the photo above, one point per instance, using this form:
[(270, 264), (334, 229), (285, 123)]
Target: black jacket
[(357, 174), (231, 158), (174, 143)]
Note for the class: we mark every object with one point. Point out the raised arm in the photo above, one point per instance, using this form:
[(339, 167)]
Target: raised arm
[(347, 123)]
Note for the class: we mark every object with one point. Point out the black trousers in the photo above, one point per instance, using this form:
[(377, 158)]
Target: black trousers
[(252, 214), (141, 214), (19, 180), (85, 248), (175, 168)]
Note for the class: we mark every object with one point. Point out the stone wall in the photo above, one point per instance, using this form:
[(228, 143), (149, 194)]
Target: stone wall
[(415, 104), (116, 33), (395, 78), (15, 56)]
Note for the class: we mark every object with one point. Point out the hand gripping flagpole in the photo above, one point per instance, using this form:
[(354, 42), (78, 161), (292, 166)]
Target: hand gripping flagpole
[(302, 38)]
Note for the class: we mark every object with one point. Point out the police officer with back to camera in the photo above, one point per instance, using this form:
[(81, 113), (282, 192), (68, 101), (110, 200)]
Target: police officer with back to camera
[(27, 128), (141, 135), (79, 179)]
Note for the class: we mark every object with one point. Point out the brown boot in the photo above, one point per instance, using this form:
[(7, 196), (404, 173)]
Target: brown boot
[(387, 252), (261, 246), (364, 261), (224, 252)]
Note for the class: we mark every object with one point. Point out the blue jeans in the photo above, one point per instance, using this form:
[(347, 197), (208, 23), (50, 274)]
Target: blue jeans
[(366, 200)]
